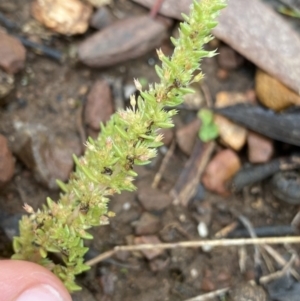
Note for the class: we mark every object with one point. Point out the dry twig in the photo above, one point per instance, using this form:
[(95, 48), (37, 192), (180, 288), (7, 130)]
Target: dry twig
[(197, 244)]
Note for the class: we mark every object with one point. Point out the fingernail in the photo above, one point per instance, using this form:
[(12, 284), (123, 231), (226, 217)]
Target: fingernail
[(42, 292)]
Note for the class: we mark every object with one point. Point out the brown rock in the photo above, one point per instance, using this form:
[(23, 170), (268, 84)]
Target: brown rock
[(229, 59), (7, 162), (67, 17), (222, 167), (273, 94), (123, 40), (99, 105), (260, 148), (150, 198), (47, 153), (12, 53), (101, 18), (150, 239), (6, 84), (186, 136), (147, 224)]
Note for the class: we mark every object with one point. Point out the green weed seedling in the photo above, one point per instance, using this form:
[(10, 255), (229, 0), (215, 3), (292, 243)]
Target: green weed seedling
[(129, 138)]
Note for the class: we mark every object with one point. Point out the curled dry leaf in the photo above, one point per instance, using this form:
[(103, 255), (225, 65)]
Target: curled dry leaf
[(67, 17)]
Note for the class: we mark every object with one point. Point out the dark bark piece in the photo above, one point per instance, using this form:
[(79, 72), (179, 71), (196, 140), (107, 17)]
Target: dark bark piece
[(254, 30), (265, 231), (188, 181), (125, 39), (284, 127), (253, 174)]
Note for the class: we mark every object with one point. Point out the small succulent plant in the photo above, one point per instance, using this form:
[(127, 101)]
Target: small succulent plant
[(129, 138)]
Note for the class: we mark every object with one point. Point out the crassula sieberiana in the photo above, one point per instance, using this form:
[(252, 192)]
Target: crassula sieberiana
[(129, 138)]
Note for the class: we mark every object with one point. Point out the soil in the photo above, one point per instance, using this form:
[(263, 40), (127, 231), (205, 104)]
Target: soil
[(48, 93)]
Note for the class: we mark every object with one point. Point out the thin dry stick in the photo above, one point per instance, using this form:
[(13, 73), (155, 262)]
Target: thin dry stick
[(281, 273), (197, 244), (163, 165), (226, 230), (264, 280), (280, 260), (248, 225)]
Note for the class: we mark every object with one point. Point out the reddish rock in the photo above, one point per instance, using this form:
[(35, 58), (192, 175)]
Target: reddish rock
[(12, 53), (7, 162), (221, 168), (147, 224), (229, 59), (99, 105), (152, 199), (150, 239), (123, 40), (260, 148), (187, 135)]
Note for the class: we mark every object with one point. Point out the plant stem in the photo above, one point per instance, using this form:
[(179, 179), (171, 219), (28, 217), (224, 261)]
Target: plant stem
[(129, 138)]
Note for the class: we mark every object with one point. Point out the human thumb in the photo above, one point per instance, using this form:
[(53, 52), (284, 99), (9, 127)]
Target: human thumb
[(26, 281)]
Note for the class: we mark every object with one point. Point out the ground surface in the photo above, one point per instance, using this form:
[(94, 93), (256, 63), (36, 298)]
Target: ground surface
[(49, 93)]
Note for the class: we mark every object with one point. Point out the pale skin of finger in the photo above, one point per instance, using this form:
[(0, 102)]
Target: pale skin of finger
[(17, 276)]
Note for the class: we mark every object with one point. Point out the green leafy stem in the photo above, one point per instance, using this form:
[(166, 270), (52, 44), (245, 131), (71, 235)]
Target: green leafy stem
[(129, 138)]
